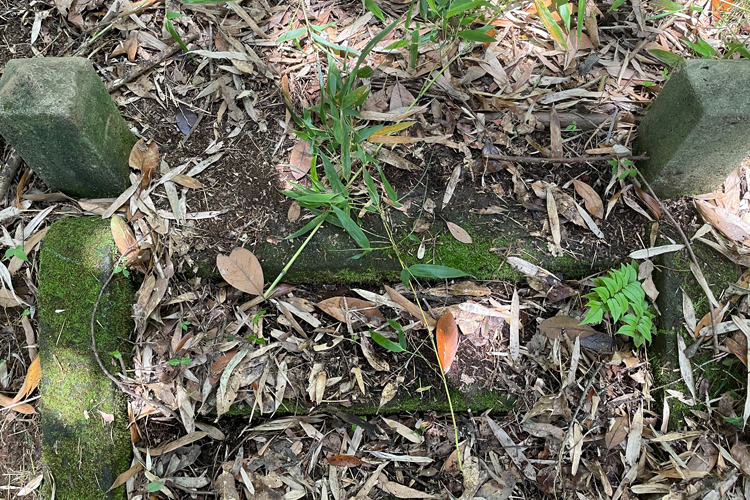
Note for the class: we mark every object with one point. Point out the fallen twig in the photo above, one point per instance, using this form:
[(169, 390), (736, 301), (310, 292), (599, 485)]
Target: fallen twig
[(576, 159), (114, 379), (141, 68), (9, 172), (690, 351)]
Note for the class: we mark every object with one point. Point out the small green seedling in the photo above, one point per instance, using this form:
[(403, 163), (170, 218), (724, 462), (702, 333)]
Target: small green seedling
[(389, 344), (628, 172), (153, 487), (256, 340), (16, 252), (123, 270), (621, 296), (572, 127), (180, 361), (184, 325), (116, 354), (257, 317), (170, 29)]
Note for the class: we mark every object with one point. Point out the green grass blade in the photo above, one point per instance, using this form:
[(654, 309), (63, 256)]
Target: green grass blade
[(352, 228)]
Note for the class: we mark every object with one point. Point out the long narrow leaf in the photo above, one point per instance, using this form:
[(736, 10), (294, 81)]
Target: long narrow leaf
[(352, 228), (581, 18), (435, 271), (549, 22)]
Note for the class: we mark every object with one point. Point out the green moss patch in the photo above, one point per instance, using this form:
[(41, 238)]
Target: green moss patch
[(82, 449)]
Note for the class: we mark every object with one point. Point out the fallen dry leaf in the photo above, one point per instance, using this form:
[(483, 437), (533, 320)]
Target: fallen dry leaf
[(242, 270), (617, 432), (124, 239), (591, 199), (459, 233), (447, 340), (358, 309), (24, 408), (33, 376), (344, 461), (144, 158)]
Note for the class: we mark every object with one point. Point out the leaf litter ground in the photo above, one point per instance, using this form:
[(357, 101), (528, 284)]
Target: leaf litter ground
[(580, 415)]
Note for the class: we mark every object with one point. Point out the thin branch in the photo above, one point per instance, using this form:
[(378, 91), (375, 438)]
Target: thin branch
[(124, 388), (141, 68), (576, 159)]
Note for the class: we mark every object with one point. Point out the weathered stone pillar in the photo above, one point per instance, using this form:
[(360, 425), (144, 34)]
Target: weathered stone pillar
[(697, 129), (57, 114)]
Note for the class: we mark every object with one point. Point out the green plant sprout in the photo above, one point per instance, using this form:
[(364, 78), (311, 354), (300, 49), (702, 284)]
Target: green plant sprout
[(121, 269), (572, 127), (176, 36), (628, 171), (179, 361), (621, 296), (116, 354), (184, 325), (16, 252), (256, 340)]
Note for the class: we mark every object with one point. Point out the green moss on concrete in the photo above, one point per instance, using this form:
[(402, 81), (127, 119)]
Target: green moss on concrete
[(78, 447), (672, 273), (82, 452)]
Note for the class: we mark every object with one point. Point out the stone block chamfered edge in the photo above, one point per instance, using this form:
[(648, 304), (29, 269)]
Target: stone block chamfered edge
[(58, 115), (81, 450), (695, 132)]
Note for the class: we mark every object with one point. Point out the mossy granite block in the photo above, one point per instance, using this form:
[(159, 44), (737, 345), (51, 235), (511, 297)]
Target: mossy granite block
[(57, 114), (81, 450), (697, 129)]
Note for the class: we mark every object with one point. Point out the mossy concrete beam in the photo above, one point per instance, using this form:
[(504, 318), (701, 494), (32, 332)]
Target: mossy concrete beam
[(671, 276), (57, 113), (328, 256), (86, 444)]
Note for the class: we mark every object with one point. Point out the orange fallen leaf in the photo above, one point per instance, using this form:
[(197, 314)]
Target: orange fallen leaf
[(24, 408), (33, 376), (591, 199), (124, 239), (650, 202), (447, 340), (344, 461)]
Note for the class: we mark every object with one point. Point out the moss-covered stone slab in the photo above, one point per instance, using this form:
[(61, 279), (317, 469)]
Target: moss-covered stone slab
[(671, 276), (328, 257), (86, 444), (697, 128), (58, 115)]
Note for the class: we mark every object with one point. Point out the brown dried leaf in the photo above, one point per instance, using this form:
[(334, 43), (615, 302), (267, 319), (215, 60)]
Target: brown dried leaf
[(732, 226), (242, 270), (359, 310), (187, 181), (459, 233), (400, 97), (739, 452), (556, 145), (591, 199), (650, 202), (144, 158), (344, 461), (410, 307), (124, 238), (555, 326), (300, 159), (616, 433)]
